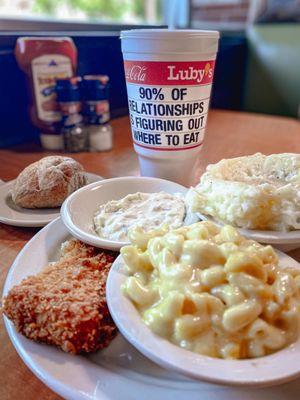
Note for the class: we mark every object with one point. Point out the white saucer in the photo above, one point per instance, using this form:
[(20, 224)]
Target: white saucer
[(12, 214), (78, 209), (284, 241), (274, 369), (119, 372)]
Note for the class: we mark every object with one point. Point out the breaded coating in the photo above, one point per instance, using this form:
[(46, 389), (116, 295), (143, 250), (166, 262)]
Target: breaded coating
[(65, 304)]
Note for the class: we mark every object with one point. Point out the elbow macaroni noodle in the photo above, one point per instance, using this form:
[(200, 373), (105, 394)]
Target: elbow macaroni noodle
[(211, 291)]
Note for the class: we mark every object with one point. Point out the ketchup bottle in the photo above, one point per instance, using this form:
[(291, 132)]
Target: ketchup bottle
[(44, 60)]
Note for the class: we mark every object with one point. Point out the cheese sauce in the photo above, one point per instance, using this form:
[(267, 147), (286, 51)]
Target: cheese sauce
[(147, 210)]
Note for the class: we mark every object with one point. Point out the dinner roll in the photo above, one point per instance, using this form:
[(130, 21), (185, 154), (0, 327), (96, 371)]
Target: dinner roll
[(48, 182)]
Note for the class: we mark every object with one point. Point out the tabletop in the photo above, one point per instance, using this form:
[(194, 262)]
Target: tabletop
[(228, 134)]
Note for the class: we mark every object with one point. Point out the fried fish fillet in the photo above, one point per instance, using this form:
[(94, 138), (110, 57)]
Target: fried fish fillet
[(65, 304)]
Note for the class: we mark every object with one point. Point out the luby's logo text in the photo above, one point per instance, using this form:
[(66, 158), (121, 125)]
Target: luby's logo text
[(136, 73), (190, 73), (169, 72)]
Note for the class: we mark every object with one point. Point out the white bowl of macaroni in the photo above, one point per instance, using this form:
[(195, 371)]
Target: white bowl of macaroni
[(103, 213), (258, 194), (208, 303)]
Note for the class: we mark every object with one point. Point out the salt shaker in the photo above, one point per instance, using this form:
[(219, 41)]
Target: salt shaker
[(75, 134), (96, 112)]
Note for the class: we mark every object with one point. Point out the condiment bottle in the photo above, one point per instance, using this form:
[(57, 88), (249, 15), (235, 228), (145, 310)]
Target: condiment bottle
[(96, 112), (75, 134), (44, 60)]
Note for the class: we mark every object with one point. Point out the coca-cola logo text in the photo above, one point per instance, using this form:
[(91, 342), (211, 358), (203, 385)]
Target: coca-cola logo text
[(136, 73)]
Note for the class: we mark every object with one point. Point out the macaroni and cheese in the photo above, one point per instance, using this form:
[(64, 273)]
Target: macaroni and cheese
[(252, 192), (211, 291)]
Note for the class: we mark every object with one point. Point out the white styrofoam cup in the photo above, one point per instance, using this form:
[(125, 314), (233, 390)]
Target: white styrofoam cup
[(169, 76)]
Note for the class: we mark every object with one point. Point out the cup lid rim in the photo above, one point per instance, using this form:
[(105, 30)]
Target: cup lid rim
[(153, 33)]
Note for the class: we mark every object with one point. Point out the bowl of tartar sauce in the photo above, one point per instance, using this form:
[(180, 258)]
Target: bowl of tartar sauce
[(103, 213)]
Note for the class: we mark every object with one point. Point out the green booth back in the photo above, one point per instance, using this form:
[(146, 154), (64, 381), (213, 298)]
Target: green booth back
[(273, 73)]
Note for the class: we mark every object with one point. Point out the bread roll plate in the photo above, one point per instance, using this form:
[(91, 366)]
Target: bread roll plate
[(11, 214)]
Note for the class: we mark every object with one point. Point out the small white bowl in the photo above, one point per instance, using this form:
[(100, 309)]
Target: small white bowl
[(274, 369), (78, 210), (284, 241)]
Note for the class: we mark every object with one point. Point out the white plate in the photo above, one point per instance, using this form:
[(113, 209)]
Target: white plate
[(119, 372), (276, 368), (78, 210), (12, 214), (284, 241)]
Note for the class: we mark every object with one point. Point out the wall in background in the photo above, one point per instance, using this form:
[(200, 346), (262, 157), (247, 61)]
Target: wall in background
[(273, 73), (100, 53)]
